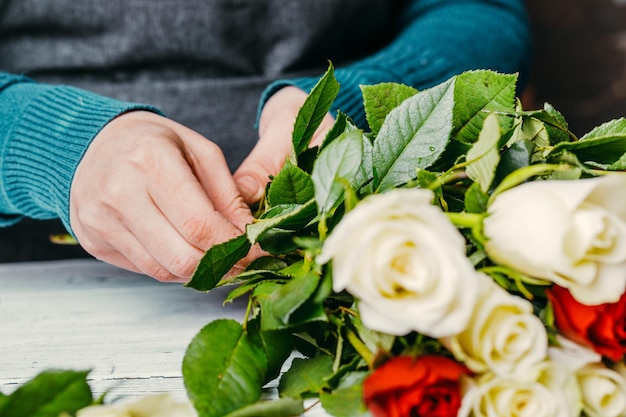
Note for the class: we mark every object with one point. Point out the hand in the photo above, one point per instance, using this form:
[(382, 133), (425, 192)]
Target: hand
[(151, 195), (275, 129)]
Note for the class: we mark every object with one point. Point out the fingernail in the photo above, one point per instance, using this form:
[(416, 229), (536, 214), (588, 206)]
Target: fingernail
[(249, 188)]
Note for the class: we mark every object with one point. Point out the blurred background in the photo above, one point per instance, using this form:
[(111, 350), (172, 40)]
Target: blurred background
[(579, 68)]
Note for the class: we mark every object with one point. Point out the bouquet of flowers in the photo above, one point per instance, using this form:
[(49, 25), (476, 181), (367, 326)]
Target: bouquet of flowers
[(461, 257)]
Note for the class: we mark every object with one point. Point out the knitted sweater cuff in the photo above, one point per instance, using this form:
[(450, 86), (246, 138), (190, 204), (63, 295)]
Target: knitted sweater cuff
[(45, 144)]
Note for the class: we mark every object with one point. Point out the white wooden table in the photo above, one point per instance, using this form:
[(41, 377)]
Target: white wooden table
[(131, 330)]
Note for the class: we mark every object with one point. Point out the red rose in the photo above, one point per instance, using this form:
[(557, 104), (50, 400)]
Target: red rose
[(427, 386), (601, 327)]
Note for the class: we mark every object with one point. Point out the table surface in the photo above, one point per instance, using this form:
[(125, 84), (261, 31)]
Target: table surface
[(129, 329)]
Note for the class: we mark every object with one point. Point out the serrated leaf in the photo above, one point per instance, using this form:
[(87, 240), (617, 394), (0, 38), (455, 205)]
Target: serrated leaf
[(615, 127), (49, 394), (283, 407), (364, 177), (476, 93), (380, 99), (339, 160), (484, 156), (343, 123), (217, 261), (306, 376), (413, 136), (290, 186), (530, 129), (313, 111), (285, 216), (223, 369), (605, 150)]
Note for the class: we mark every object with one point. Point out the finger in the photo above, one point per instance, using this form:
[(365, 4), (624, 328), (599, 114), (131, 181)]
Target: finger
[(169, 255), (266, 158), (269, 155), (211, 169), (189, 209)]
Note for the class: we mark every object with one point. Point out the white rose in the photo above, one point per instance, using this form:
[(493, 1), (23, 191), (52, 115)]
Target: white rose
[(502, 336), (572, 233), (547, 389), (571, 354), (161, 405), (405, 262), (603, 391)]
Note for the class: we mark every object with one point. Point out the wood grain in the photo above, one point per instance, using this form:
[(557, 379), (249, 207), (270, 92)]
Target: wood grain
[(131, 330)]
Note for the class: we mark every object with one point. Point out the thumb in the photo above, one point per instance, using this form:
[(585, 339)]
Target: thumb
[(265, 160)]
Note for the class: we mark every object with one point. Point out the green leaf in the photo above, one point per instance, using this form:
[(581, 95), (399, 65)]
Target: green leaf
[(292, 296), (278, 241), (339, 160), (342, 124), (306, 376), (615, 127), (515, 157), (284, 216), (290, 186), (277, 344), (364, 177), (475, 199), (530, 129), (313, 111), (283, 407), (413, 136), (223, 369), (476, 93), (49, 394), (559, 131), (346, 401), (484, 156), (217, 261), (380, 99), (597, 150)]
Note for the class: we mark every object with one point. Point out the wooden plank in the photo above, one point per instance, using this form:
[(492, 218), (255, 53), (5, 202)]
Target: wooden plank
[(129, 329)]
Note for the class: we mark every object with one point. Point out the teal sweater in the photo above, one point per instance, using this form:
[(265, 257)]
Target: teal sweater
[(45, 127)]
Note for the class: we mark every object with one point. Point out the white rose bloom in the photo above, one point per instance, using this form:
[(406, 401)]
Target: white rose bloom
[(405, 262), (571, 354), (572, 233), (161, 405), (502, 336), (603, 391), (544, 390)]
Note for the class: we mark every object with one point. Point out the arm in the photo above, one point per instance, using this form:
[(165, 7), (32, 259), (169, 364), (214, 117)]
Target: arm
[(436, 39), (44, 132), (137, 190)]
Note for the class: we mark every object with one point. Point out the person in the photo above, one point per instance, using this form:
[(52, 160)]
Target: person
[(106, 107)]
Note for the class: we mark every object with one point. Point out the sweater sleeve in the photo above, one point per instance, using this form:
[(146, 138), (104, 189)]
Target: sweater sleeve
[(436, 40), (44, 132)]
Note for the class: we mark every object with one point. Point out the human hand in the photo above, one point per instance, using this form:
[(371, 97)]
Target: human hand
[(151, 195), (275, 129)]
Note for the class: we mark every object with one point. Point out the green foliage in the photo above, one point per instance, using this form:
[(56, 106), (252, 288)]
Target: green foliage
[(306, 376), (313, 112), (413, 135), (465, 139), (49, 394), (224, 369), (380, 99)]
